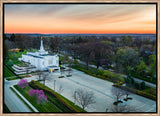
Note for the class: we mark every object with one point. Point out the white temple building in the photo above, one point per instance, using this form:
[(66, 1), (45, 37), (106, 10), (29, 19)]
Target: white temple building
[(41, 59)]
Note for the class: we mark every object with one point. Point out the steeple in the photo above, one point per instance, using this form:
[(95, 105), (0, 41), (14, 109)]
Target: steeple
[(41, 47)]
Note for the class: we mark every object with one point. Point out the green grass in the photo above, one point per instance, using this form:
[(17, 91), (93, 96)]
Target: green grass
[(10, 67), (46, 107), (22, 99), (7, 73), (5, 108)]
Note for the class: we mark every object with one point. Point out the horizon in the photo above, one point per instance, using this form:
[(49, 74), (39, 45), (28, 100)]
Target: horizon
[(80, 18), (79, 33)]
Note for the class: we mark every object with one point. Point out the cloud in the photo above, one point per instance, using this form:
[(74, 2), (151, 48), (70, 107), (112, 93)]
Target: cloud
[(82, 17)]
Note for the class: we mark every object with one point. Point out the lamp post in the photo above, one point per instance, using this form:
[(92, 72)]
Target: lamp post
[(75, 98), (54, 84)]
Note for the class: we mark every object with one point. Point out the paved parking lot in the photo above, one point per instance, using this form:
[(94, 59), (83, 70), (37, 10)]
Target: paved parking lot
[(101, 90)]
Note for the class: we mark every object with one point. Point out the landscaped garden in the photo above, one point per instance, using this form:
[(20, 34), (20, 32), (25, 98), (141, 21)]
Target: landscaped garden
[(45, 107), (45, 99)]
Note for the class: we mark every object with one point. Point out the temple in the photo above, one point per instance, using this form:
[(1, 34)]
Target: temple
[(42, 60)]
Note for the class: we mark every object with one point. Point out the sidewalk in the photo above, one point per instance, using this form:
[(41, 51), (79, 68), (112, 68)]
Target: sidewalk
[(35, 110)]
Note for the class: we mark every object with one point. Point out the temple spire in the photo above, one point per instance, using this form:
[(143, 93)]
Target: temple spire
[(41, 47)]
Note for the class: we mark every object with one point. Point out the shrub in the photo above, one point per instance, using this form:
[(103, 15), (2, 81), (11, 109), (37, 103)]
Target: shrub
[(116, 103), (108, 74), (119, 78), (22, 83), (61, 77), (99, 72), (143, 86), (144, 94), (10, 63)]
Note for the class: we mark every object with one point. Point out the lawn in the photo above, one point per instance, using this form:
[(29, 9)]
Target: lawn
[(46, 107), (7, 73)]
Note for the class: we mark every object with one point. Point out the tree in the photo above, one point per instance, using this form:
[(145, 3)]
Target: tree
[(122, 108), (152, 63), (118, 93), (84, 98), (61, 71), (39, 94), (126, 57), (101, 50), (126, 40), (55, 44), (39, 73), (86, 50), (44, 77), (22, 83), (5, 37), (12, 37), (69, 71), (5, 51), (143, 85), (60, 89), (141, 68)]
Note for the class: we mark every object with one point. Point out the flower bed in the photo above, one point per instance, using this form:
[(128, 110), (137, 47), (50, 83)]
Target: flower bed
[(47, 107)]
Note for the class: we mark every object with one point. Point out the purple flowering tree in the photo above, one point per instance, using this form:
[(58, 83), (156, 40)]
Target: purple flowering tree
[(22, 83), (39, 95)]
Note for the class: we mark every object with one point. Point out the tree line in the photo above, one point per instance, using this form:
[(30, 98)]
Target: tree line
[(124, 54)]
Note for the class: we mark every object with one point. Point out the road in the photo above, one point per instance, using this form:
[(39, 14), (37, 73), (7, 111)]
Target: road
[(12, 100)]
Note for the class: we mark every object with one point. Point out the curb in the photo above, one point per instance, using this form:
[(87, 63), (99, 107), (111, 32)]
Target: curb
[(35, 110)]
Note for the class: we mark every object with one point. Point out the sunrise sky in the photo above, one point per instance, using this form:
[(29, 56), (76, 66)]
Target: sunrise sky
[(80, 18)]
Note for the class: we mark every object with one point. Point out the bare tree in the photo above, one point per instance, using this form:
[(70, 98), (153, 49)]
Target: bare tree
[(127, 94), (69, 71), (84, 98), (39, 73), (74, 96), (122, 108), (44, 77), (61, 71), (60, 89), (118, 93)]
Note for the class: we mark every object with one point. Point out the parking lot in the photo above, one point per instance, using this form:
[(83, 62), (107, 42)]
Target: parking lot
[(101, 89)]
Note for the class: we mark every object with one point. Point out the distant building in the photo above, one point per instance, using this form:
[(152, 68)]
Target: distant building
[(41, 59), (14, 49)]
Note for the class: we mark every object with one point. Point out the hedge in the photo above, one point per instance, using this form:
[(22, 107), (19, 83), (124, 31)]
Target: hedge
[(138, 92), (115, 78), (154, 80), (59, 97)]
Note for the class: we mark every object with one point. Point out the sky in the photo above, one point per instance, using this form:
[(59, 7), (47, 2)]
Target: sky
[(80, 18)]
